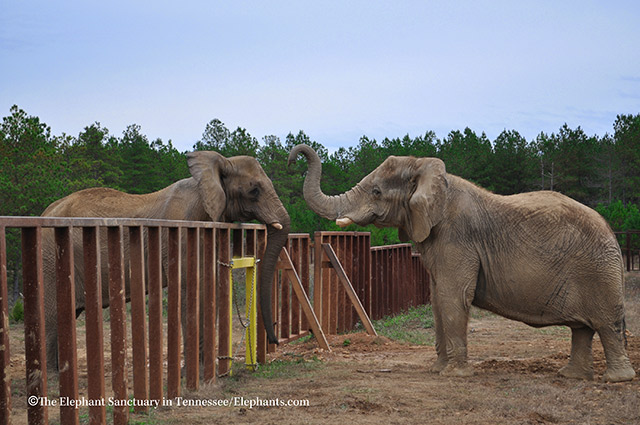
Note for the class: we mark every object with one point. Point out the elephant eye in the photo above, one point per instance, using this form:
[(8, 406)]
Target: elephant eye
[(255, 192), (376, 192)]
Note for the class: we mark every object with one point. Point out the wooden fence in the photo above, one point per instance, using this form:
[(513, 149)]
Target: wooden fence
[(137, 253), (387, 279), (206, 248)]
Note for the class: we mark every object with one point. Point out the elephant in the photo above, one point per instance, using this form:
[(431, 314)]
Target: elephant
[(541, 258), (219, 189)]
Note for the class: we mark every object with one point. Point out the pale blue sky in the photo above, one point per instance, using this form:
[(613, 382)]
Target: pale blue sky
[(335, 69)]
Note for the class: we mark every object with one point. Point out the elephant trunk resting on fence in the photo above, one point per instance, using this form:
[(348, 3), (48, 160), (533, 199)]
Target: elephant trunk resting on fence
[(540, 258), (220, 189)]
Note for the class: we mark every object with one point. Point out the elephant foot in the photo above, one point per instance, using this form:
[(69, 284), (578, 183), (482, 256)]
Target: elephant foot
[(620, 374), (460, 370), (439, 365), (572, 371)]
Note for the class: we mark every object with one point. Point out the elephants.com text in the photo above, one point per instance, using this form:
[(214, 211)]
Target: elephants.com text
[(239, 402), (177, 402)]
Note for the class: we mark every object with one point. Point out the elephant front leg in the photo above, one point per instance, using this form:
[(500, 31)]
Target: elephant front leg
[(442, 360), (454, 302)]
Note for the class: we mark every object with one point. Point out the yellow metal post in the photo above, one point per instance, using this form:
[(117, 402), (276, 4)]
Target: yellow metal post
[(248, 263)]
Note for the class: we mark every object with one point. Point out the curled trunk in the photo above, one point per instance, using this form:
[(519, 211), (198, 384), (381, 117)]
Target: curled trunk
[(331, 207)]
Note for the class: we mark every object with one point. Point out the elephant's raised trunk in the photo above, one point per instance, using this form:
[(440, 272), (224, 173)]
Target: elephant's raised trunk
[(331, 207), (276, 239)]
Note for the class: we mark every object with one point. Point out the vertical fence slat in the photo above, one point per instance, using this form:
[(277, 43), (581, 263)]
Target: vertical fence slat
[(224, 303), (333, 301), (66, 311), (261, 244), (154, 264), (295, 305), (318, 294), (285, 303), (5, 354), (341, 294), (209, 305), (32, 281), (304, 276), (117, 313), (174, 332), (367, 272), (138, 322), (193, 309), (93, 323)]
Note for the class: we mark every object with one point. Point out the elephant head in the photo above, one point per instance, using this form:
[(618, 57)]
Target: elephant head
[(238, 189), (396, 194)]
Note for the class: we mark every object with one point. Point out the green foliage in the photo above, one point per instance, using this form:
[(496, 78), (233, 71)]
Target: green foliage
[(621, 218), (286, 368), (627, 146), (17, 312)]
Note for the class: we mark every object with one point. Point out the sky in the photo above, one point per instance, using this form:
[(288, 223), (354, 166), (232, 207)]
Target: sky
[(337, 70)]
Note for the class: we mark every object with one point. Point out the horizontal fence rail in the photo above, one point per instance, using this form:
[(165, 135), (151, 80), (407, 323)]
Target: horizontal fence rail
[(130, 257)]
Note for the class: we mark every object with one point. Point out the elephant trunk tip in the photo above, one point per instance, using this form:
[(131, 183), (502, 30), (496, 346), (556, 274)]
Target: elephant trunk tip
[(296, 150), (344, 222)]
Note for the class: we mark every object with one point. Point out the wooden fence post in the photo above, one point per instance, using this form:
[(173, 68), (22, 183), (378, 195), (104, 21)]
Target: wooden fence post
[(66, 310), (138, 316), (117, 315), (192, 357), (94, 319), (209, 305), (174, 319), (5, 355), (156, 332), (35, 351)]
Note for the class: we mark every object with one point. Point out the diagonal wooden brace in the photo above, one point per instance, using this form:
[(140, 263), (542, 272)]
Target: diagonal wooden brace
[(304, 300), (342, 275)]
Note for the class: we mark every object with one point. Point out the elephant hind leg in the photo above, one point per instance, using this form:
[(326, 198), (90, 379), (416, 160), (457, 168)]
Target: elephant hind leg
[(580, 364), (619, 367)]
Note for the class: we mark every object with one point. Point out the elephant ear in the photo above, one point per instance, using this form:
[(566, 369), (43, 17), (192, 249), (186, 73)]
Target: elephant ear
[(426, 204), (207, 168)]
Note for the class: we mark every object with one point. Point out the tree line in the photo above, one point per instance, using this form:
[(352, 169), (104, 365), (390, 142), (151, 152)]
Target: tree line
[(37, 167)]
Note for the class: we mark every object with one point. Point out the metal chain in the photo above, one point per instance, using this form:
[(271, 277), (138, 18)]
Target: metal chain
[(227, 265)]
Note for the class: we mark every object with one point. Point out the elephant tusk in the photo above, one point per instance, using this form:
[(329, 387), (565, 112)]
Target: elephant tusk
[(343, 222), (277, 225)]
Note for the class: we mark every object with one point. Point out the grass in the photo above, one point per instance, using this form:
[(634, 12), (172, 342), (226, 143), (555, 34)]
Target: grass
[(277, 369), (410, 327)]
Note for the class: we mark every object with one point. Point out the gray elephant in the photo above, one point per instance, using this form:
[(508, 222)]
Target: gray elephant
[(540, 258), (220, 189)]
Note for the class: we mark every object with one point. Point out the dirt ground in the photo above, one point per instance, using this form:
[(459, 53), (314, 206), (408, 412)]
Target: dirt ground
[(374, 380)]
